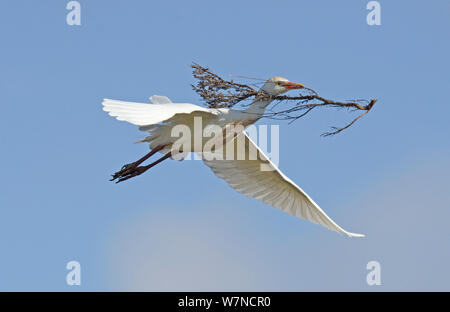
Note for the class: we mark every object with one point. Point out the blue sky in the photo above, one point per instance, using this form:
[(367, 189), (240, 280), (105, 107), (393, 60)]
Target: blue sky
[(179, 227)]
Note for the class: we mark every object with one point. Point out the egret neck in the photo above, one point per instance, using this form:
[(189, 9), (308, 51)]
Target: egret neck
[(258, 107)]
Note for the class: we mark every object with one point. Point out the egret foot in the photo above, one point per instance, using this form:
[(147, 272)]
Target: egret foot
[(125, 170), (132, 170), (129, 173)]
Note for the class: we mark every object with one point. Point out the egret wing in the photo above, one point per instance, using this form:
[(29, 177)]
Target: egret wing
[(144, 114), (257, 177)]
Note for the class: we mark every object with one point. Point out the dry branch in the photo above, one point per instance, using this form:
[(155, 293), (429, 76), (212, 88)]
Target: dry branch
[(217, 92)]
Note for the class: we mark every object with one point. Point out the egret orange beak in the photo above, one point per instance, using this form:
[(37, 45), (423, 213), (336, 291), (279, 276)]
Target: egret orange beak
[(293, 85)]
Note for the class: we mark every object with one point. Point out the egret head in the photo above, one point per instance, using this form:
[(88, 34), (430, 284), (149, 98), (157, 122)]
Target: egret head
[(280, 85)]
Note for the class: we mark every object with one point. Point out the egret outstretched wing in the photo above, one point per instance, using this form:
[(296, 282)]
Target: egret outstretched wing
[(144, 114), (261, 179)]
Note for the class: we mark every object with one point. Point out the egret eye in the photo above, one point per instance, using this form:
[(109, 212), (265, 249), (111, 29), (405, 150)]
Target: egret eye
[(277, 83)]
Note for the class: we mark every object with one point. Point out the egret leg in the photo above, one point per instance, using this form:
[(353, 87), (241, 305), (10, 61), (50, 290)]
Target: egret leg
[(140, 169), (128, 168)]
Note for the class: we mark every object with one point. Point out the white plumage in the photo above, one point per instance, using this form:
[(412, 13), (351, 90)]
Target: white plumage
[(262, 180), (246, 176), (142, 114)]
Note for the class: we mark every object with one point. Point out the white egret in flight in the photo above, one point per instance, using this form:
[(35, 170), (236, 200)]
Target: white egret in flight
[(242, 173)]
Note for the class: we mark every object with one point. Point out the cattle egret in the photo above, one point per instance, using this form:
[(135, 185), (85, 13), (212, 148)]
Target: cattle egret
[(242, 172)]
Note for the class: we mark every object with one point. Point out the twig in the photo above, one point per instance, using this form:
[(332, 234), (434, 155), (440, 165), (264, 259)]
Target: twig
[(218, 92)]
